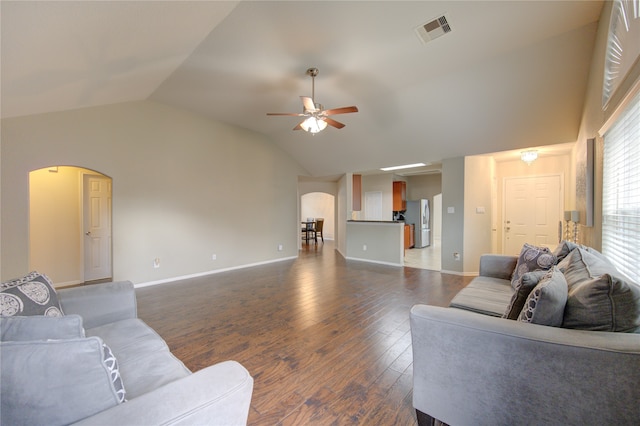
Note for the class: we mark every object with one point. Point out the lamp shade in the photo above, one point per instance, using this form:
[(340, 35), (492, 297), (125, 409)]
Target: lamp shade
[(313, 125), (575, 216)]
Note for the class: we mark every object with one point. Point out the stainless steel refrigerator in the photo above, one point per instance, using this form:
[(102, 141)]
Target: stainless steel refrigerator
[(418, 213)]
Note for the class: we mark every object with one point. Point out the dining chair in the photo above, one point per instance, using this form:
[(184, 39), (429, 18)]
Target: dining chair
[(318, 229), (308, 229)]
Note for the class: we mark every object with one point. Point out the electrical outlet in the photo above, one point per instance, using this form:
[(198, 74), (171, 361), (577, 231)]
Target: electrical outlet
[(156, 262), (280, 248), (456, 256), (214, 256), (364, 247)]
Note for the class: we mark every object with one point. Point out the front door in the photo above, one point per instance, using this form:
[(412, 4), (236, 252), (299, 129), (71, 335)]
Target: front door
[(97, 227), (531, 212)]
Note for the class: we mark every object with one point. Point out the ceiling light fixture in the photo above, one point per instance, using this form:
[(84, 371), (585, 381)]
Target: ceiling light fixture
[(529, 156), (313, 125), (406, 166)]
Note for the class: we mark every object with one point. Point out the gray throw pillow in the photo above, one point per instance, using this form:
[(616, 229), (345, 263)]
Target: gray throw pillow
[(600, 298), (32, 294), (604, 303), (545, 304), (566, 247), (39, 327), (57, 382), (532, 258), (523, 287)]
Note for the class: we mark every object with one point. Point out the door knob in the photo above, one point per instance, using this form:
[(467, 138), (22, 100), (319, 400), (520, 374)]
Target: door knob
[(87, 233)]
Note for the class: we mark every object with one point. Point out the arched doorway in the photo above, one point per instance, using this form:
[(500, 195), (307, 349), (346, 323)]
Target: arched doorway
[(319, 204), (70, 224)]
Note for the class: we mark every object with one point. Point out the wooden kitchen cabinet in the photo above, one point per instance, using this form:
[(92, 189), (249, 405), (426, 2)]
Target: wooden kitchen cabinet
[(412, 233), (357, 193), (409, 236), (399, 195)]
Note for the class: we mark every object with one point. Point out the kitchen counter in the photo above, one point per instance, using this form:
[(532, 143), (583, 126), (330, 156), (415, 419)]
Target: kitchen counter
[(377, 241)]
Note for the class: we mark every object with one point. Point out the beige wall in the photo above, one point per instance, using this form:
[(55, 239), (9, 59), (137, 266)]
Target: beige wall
[(424, 186), (479, 173), (184, 188), (453, 226)]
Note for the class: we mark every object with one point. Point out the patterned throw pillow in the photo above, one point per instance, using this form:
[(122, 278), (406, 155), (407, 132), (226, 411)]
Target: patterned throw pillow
[(546, 302), (532, 258), (32, 294), (523, 288)]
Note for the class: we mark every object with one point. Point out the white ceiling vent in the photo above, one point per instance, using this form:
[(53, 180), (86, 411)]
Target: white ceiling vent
[(433, 29)]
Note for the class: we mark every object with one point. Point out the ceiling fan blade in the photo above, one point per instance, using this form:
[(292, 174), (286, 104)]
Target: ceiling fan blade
[(285, 113), (299, 126), (334, 123), (308, 103), (343, 110)]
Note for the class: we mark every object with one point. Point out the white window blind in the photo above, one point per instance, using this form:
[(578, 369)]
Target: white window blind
[(621, 192)]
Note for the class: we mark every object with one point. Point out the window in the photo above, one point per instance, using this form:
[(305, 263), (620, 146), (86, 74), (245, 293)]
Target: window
[(621, 191)]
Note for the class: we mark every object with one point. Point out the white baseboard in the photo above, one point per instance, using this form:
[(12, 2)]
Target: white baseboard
[(215, 271), (462, 274), (375, 261), (67, 284)]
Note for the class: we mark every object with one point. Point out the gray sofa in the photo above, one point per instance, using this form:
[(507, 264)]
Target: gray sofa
[(98, 364), (474, 366)]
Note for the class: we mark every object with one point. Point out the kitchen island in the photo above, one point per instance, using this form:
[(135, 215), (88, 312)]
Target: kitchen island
[(376, 241)]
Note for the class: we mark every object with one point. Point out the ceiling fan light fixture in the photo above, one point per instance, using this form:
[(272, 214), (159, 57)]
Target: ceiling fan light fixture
[(313, 125), (317, 118)]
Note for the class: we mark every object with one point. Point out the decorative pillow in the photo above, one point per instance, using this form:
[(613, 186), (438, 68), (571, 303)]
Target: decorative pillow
[(563, 249), (40, 378), (532, 258), (545, 304), (524, 285), (580, 265), (39, 327), (605, 303), (566, 247), (600, 298), (32, 294)]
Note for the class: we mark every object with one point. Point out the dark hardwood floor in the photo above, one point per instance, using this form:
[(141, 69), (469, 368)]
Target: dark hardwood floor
[(327, 340)]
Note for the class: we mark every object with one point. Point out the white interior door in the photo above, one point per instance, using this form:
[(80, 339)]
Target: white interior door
[(97, 227), (373, 205), (531, 212)]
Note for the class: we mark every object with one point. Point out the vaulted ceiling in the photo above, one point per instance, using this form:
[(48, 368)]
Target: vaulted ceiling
[(510, 74)]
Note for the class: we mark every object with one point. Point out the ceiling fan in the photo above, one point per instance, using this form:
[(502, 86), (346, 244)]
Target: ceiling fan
[(316, 117)]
